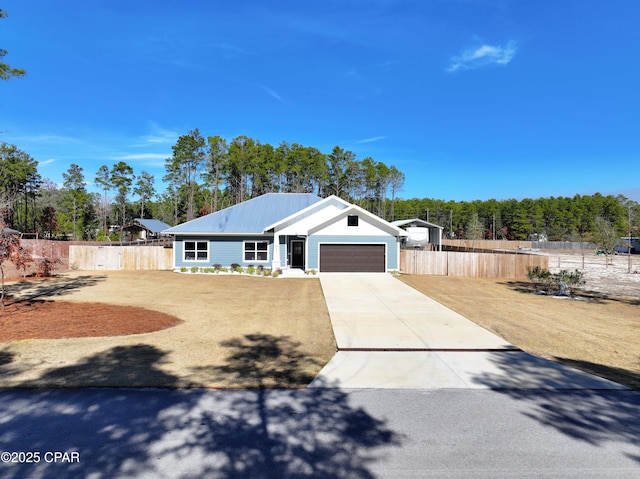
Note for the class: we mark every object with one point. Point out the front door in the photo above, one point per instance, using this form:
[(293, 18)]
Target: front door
[(297, 254)]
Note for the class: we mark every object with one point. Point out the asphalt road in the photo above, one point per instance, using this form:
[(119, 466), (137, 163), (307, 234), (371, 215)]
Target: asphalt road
[(319, 433)]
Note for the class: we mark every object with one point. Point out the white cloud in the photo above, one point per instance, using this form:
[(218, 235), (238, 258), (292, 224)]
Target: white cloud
[(141, 156), (47, 138), (230, 50), (46, 162), (482, 56), (272, 93), (157, 140), (371, 140), (159, 136)]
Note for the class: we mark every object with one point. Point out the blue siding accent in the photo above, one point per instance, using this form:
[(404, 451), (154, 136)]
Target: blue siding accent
[(177, 253), (223, 250), (314, 241)]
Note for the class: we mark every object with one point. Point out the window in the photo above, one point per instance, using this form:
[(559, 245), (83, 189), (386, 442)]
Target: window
[(196, 250), (256, 251), (352, 220)]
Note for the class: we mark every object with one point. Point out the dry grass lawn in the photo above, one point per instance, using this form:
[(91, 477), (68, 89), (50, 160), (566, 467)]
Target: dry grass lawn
[(241, 331), (598, 335), (233, 331)]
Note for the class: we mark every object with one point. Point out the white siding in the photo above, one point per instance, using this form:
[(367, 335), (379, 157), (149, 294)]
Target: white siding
[(364, 228)]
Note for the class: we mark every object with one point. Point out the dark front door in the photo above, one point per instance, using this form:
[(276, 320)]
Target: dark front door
[(297, 254)]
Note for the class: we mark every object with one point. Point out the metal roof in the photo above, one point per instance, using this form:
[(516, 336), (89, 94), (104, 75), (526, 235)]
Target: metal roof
[(155, 226), (415, 221), (251, 216)]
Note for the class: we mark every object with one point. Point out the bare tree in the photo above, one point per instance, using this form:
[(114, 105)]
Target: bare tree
[(217, 158), (10, 250), (144, 189), (396, 181)]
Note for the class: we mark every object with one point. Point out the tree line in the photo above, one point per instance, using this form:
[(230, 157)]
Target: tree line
[(201, 176), (204, 175), (212, 173), (577, 218)]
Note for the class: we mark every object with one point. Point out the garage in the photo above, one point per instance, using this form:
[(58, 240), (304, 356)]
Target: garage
[(352, 258)]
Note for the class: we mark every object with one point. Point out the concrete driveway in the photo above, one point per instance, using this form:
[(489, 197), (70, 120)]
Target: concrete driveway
[(389, 335)]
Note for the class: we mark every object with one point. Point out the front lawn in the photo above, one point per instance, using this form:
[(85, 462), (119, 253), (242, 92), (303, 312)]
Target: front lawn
[(599, 335), (233, 331)]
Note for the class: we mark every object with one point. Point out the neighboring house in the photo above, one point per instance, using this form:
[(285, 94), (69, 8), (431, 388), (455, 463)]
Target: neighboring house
[(420, 234), (628, 245), (290, 230), (142, 228), (10, 231)]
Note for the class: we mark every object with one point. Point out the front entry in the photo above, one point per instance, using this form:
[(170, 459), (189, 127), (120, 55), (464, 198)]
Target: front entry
[(297, 254)]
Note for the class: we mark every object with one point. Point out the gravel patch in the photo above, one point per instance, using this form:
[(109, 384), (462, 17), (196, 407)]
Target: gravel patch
[(615, 276)]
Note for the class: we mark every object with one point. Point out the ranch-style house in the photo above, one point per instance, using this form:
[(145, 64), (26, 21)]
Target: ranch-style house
[(290, 230)]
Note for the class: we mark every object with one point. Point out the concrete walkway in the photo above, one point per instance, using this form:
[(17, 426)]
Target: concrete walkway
[(389, 335)]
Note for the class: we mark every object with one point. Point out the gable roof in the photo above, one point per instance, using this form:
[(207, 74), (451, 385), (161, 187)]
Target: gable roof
[(248, 217), (415, 222), (355, 209), (325, 212), (309, 211), (155, 226)]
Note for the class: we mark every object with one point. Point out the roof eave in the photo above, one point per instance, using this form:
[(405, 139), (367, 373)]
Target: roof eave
[(210, 233), (384, 224), (304, 210)]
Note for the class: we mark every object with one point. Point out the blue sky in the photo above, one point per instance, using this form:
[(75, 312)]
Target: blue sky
[(470, 99)]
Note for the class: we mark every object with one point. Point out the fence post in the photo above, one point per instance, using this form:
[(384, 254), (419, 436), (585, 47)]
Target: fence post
[(447, 263)]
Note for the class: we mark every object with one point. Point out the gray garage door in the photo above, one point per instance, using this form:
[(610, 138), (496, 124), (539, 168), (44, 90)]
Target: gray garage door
[(351, 258)]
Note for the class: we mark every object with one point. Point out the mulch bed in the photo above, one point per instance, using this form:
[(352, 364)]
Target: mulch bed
[(41, 319)]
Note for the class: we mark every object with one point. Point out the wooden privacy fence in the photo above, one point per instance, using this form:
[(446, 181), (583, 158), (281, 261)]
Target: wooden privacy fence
[(487, 244), (455, 244), (39, 247), (477, 265), (120, 258)]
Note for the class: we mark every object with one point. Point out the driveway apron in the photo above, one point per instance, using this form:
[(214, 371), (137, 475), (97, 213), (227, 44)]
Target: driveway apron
[(389, 335)]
